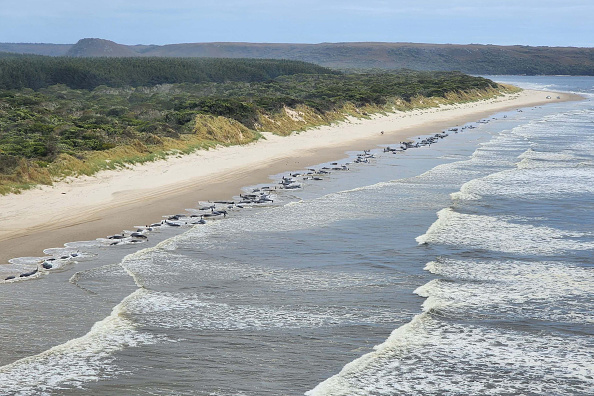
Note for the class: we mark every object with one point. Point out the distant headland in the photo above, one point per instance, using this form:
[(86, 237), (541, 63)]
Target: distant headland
[(470, 58)]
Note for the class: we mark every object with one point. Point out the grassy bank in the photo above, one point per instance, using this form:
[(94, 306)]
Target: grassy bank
[(56, 132)]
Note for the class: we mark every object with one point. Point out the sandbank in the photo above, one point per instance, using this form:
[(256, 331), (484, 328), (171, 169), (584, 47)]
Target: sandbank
[(87, 208)]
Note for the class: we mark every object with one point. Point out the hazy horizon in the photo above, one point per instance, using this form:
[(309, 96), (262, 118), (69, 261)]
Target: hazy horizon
[(295, 43), (503, 22)]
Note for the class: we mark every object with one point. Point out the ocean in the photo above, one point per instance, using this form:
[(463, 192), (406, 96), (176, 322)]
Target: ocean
[(461, 268)]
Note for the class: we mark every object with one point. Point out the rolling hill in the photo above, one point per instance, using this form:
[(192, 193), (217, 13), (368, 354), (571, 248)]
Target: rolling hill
[(471, 58)]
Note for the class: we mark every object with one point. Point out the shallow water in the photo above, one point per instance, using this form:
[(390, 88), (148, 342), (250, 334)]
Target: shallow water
[(468, 264)]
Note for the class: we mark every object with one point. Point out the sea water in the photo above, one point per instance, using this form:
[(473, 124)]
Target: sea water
[(460, 268)]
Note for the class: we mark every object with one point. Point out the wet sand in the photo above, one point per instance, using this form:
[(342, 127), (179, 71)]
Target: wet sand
[(91, 207)]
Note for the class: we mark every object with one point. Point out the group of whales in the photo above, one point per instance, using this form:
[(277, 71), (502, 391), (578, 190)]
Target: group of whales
[(211, 211), (258, 196), (219, 209), (47, 264), (428, 141)]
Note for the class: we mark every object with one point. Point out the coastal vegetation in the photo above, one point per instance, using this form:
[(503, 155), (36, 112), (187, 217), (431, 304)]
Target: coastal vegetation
[(468, 58), (62, 130), (35, 72)]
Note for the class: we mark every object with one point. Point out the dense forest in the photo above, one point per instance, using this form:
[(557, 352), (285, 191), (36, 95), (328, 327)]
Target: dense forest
[(469, 58), (30, 71), (58, 124)]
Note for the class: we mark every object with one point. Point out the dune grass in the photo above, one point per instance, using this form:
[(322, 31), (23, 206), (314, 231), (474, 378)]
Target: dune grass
[(210, 131)]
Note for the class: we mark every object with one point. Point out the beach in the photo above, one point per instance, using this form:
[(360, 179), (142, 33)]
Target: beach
[(86, 208), (459, 267)]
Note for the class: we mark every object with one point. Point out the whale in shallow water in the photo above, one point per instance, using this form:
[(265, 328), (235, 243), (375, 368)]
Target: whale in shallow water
[(26, 274)]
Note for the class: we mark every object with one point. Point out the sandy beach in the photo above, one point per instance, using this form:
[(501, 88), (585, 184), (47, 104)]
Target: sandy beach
[(90, 207)]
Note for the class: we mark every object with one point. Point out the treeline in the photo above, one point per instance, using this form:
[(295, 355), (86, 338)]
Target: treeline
[(327, 92), (470, 58), (39, 126), (35, 72)]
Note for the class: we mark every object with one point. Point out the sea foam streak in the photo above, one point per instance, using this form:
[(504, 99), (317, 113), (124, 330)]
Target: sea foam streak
[(195, 312), (87, 358), (165, 267), (547, 291), (84, 359), (485, 327), (498, 234), (433, 357), (530, 183)]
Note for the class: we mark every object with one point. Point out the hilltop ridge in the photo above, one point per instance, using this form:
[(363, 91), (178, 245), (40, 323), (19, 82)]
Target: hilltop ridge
[(468, 58), (94, 47)]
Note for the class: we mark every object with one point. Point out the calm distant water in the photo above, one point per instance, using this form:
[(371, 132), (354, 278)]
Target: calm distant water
[(461, 268)]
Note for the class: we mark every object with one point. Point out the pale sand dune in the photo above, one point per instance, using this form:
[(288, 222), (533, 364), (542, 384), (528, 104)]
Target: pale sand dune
[(90, 207)]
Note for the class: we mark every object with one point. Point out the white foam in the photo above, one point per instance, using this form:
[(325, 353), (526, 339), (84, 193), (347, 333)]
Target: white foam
[(529, 183), (19, 265), (143, 258), (498, 234), (301, 215), (160, 267), (87, 358), (193, 311), (548, 291), (433, 357), (84, 359), (549, 158)]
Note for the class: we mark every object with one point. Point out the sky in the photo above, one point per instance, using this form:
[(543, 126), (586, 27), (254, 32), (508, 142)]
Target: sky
[(503, 22)]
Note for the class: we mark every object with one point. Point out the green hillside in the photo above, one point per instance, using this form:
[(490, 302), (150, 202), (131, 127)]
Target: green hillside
[(57, 131), (470, 58), (29, 71)]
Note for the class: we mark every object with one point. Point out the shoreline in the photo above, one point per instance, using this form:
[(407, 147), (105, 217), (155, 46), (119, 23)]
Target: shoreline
[(87, 208)]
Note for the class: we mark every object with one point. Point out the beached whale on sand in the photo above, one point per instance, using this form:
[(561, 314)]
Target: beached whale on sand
[(26, 274)]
